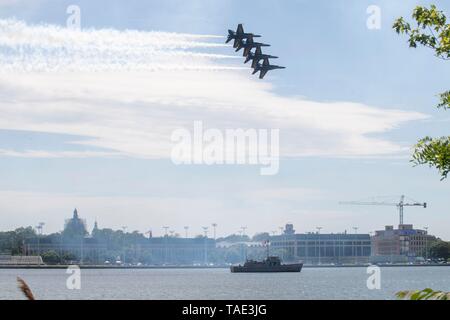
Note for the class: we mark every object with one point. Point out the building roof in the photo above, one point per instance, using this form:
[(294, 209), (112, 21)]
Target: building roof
[(322, 236)]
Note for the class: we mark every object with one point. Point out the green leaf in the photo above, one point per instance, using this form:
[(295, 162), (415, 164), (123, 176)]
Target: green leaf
[(425, 294)]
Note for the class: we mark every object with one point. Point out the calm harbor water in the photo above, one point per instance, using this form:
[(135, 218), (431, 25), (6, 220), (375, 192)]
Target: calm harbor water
[(311, 283)]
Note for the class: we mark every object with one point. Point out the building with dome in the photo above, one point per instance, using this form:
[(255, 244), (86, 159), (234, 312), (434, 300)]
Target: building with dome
[(74, 241), (75, 227)]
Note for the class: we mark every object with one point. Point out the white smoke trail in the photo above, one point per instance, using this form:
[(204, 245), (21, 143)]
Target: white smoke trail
[(134, 113), (52, 48), (17, 33)]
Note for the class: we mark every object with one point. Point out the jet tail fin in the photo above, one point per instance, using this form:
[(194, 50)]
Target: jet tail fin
[(230, 36), (239, 46), (262, 74), (240, 29)]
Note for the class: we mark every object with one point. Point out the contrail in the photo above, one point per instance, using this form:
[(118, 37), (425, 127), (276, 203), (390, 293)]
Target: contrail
[(15, 33), (26, 47)]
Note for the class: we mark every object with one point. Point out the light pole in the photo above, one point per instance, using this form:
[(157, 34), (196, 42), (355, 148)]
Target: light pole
[(426, 244), (273, 235), (81, 250), (282, 242), (339, 248), (124, 229), (39, 228), (165, 243), (214, 225), (318, 233), (245, 245), (205, 230), (306, 247), (371, 237), (355, 249), (241, 243)]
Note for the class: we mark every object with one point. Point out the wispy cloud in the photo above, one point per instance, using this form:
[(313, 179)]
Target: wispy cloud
[(128, 90), (56, 154)]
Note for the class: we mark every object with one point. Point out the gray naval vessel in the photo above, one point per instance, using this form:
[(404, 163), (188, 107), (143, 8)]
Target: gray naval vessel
[(270, 264)]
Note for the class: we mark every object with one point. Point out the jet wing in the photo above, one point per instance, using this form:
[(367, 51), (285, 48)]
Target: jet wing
[(255, 62), (246, 51), (240, 28), (241, 44), (263, 73)]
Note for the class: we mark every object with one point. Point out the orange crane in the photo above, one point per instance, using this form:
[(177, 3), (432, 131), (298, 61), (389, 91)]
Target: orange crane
[(400, 205)]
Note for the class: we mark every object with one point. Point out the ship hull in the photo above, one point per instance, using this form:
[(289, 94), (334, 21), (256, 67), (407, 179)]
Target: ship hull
[(296, 267)]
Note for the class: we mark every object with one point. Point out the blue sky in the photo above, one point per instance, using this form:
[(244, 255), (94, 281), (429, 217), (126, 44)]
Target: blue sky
[(335, 66)]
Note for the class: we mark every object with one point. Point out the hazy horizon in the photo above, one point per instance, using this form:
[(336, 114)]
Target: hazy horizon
[(87, 116)]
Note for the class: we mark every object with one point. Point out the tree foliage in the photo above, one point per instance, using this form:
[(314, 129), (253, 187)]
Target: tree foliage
[(234, 238), (445, 100), (425, 294), (435, 152), (262, 236), (432, 31), (440, 250), (12, 241), (51, 257)]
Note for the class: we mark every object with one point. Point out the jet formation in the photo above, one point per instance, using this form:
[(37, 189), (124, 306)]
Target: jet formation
[(243, 40)]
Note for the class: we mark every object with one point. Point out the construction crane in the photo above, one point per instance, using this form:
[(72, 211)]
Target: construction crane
[(400, 205)]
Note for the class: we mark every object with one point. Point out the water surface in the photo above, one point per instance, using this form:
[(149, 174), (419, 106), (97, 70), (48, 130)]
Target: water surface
[(311, 283)]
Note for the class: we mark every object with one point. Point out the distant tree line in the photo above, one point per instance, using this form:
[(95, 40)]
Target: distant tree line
[(11, 242), (122, 245), (125, 245)]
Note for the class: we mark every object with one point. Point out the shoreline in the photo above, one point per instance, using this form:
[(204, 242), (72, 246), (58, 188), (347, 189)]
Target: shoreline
[(101, 267)]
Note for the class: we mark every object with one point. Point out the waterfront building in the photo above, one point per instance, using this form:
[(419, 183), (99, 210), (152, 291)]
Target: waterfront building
[(75, 243), (8, 260), (404, 244), (239, 251), (318, 248), (179, 251), (75, 227)]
